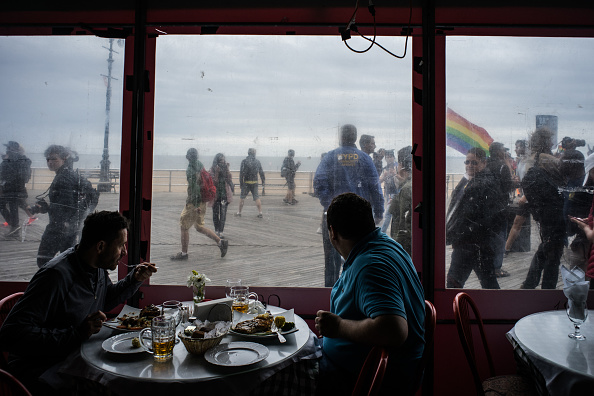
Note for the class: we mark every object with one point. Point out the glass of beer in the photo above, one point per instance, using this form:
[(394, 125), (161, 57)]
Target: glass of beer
[(241, 298), (162, 338)]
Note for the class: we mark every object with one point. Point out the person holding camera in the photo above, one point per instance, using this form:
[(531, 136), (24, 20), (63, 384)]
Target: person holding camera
[(69, 196)]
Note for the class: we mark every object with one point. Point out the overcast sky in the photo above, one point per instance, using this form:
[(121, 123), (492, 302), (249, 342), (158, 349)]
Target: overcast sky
[(225, 94)]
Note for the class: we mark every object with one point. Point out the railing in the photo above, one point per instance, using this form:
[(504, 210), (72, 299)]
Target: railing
[(174, 180)]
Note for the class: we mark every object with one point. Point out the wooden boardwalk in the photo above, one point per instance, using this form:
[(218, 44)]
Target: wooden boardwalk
[(281, 249)]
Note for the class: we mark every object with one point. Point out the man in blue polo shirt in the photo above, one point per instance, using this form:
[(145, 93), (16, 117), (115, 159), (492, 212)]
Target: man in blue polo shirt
[(345, 169), (377, 301)]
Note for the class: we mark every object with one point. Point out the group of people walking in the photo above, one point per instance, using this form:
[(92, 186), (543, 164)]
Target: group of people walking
[(553, 187), (71, 198)]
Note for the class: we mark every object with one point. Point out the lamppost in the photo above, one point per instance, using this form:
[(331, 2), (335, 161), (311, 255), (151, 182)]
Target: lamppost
[(104, 181)]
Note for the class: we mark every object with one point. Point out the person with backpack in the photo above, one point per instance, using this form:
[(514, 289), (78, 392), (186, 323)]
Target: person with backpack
[(541, 188), (248, 181), (288, 171), (71, 198), (15, 172), (200, 191)]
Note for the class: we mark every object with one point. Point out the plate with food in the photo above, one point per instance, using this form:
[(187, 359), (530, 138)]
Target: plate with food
[(263, 325), (133, 319), (126, 343), (236, 354)]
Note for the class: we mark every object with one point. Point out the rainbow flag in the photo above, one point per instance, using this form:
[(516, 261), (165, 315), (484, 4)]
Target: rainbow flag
[(462, 134)]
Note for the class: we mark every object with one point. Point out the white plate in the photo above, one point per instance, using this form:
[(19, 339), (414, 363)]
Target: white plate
[(238, 317), (263, 335), (121, 343), (235, 354), (115, 322)]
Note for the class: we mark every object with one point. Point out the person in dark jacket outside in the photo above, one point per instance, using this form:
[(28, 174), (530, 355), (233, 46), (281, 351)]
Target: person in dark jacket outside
[(223, 180), (496, 163), (401, 205), (65, 209), (15, 172), (248, 181), (468, 223), (545, 202), (65, 301), (345, 169), (289, 169)]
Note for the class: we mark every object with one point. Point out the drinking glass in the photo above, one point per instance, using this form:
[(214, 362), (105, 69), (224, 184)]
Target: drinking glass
[(241, 298), (230, 283), (577, 312), (172, 308), (162, 336)]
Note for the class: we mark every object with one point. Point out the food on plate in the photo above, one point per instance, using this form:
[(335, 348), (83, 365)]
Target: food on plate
[(260, 324), (140, 321), (288, 326), (279, 322), (135, 342)]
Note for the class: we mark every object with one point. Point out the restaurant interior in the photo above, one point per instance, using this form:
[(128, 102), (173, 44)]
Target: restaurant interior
[(427, 25)]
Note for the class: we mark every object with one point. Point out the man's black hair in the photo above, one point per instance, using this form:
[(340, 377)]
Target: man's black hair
[(103, 226), (350, 216), (364, 140), (348, 134)]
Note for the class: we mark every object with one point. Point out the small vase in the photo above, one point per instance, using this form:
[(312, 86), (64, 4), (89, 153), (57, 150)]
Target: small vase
[(198, 294)]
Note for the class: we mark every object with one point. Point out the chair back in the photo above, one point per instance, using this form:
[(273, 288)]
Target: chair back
[(10, 386), (463, 305), (430, 323), (6, 305), (372, 373)]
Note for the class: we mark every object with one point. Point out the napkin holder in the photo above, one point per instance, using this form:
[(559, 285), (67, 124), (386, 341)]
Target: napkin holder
[(213, 310)]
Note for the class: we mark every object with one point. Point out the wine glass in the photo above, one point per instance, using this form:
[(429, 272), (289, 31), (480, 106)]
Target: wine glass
[(577, 312), (230, 283)]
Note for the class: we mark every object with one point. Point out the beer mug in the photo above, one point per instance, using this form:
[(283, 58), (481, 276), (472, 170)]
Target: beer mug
[(162, 336), (242, 297)]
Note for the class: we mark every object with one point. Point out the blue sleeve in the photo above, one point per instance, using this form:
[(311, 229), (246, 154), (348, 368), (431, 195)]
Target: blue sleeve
[(380, 291)]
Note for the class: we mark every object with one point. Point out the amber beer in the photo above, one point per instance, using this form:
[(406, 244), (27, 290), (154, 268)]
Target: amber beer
[(163, 349), (241, 306), (162, 332)]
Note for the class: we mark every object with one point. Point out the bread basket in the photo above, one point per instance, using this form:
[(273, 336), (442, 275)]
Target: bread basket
[(197, 346)]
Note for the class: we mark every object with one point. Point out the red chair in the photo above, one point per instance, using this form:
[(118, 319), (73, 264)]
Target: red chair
[(509, 385), (372, 373), (430, 323), (10, 386), (6, 305)]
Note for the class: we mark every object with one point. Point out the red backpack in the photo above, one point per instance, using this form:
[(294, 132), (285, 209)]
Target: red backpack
[(208, 190)]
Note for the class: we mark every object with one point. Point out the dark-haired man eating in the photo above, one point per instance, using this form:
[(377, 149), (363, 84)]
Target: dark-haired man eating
[(65, 301)]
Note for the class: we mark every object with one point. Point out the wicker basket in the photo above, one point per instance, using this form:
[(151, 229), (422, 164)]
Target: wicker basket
[(197, 346)]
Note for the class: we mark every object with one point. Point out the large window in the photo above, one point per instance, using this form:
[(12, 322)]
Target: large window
[(55, 91), (228, 94), (501, 90)]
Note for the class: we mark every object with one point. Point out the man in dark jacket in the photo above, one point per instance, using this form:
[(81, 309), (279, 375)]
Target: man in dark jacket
[(65, 301), (15, 172), (288, 171), (345, 169), (248, 180), (496, 163)]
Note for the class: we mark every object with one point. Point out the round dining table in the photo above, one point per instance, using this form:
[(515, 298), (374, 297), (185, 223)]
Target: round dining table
[(565, 364), (138, 373)]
